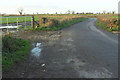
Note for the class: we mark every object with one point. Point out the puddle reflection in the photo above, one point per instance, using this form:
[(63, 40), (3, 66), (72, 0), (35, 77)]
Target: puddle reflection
[(37, 50)]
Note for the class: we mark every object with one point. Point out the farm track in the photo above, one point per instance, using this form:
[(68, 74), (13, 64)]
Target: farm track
[(80, 51)]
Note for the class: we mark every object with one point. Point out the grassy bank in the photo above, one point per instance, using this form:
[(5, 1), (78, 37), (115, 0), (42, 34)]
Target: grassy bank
[(108, 22), (13, 50), (105, 27), (61, 25), (101, 25)]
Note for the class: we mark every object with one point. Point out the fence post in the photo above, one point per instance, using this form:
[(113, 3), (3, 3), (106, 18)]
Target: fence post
[(17, 23), (33, 22), (7, 24), (25, 22)]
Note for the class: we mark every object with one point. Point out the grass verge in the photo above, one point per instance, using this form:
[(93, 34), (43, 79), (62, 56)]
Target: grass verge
[(14, 51), (104, 26), (61, 25)]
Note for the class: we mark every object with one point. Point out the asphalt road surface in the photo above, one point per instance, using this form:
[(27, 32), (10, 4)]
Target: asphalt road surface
[(82, 51)]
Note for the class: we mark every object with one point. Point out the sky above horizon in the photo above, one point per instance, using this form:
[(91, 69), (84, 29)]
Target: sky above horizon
[(60, 6)]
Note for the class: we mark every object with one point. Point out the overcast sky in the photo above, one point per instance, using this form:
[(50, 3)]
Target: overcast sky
[(52, 6)]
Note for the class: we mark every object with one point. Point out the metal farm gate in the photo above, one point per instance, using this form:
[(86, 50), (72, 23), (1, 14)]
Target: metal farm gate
[(16, 23)]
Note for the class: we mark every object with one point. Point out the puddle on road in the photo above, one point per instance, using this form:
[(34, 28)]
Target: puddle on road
[(36, 51)]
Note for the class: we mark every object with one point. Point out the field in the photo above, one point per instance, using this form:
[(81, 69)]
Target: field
[(108, 22), (13, 19)]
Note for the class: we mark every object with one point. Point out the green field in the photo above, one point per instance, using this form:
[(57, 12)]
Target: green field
[(116, 17), (13, 19)]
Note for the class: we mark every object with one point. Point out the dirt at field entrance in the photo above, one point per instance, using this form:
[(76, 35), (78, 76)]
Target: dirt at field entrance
[(39, 40), (36, 36)]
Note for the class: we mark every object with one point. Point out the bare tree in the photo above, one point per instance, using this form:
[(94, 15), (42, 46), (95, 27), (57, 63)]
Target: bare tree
[(56, 13), (20, 10), (108, 12), (73, 12), (37, 13), (68, 11), (104, 12)]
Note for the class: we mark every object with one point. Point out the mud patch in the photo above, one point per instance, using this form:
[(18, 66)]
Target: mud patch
[(36, 36), (104, 73), (76, 62), (87, 70)]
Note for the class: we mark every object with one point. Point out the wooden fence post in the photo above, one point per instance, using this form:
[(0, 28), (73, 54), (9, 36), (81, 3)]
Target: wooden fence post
[(25, 22), (17, 23), (41, 21), (7, 25), (33, 22)]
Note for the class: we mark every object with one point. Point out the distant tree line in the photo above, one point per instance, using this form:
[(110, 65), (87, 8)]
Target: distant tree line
[(21, 10)]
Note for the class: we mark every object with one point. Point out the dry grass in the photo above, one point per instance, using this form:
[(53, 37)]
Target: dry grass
[(110, 22)]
